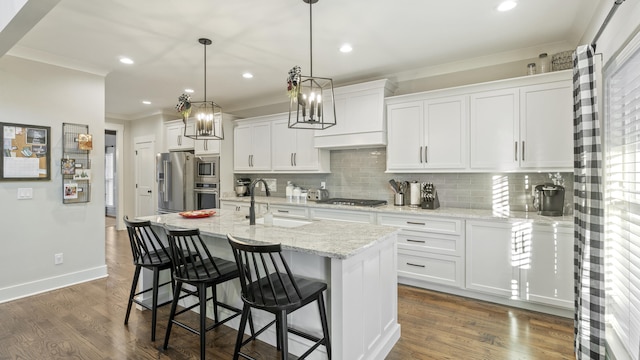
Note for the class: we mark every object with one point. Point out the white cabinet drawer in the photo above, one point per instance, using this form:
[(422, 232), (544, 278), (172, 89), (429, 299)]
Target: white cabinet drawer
[(290, 211), (440, 225), (343, 215), (432, 243), (441, 269)]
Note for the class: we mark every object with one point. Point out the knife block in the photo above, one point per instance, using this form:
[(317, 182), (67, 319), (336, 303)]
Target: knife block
[(430, 199)]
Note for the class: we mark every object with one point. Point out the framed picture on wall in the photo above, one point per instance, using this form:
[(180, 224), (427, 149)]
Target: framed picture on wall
[(25, 152)]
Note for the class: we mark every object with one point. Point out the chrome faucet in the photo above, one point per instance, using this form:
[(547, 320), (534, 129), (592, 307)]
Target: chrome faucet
[(252, 209)]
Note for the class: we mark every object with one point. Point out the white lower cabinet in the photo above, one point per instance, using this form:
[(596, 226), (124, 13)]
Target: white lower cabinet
[(520, 261), (235, 206), (288, 210), (363, 217), (430, 250)]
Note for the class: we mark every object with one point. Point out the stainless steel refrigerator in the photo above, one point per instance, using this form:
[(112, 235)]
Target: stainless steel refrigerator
[(175, 177)]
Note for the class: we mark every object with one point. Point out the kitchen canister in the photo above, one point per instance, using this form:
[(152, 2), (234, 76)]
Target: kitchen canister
[(398, 199), (531, 69), (545, 63), (415, 194)]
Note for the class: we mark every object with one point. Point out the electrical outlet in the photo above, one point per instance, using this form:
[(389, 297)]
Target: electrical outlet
[(323, 185), (58, 259), (25, 193)]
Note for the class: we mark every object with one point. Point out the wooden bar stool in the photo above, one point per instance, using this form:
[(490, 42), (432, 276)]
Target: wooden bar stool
[(149, 253), (268, 284), (193, 264)]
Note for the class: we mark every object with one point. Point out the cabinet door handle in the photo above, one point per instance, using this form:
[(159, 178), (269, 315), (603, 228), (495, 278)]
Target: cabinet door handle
[(295, 159), (206, 144), (291, 159), (251, 160), (522, 150), (416, 265), (283, 211), (415, 223), (420, 154), (179, 140), (416, 241), (425, 155), (515, 152)]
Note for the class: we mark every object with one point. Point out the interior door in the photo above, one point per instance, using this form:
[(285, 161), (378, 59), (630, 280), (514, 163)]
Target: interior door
[(145, 173)]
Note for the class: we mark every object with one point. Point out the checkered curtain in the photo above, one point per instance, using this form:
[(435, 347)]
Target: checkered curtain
[(588, 211)]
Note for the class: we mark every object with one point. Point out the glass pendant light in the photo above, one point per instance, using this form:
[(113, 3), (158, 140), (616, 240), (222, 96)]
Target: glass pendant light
[(309, 94)]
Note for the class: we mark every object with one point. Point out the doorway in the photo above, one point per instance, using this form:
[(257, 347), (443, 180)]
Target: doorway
[(117, 130), (110, 174)]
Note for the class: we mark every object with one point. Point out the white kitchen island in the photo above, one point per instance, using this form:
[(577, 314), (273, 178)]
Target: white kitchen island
[(357, 261)]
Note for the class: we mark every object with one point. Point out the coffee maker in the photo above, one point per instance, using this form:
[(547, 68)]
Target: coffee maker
[(548, 199)]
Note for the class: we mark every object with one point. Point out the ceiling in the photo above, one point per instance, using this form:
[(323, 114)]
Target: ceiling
[(268, 37)]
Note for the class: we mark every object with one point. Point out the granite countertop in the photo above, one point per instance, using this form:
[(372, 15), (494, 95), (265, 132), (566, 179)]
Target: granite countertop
[(333, 239), (467, 214)]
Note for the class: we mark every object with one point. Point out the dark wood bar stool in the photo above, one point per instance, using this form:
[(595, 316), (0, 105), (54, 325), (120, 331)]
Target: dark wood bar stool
[(149, 253), (193, 264), (268, 284)]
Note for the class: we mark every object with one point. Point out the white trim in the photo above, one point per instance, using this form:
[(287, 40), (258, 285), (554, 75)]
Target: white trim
[(19, 291), (119, 129)]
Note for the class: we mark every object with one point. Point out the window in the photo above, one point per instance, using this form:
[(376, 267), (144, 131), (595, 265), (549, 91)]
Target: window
[(622, 195)]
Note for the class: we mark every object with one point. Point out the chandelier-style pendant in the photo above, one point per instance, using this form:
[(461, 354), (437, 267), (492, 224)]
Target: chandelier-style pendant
[(306, 107), (309, 94), (206, 115)]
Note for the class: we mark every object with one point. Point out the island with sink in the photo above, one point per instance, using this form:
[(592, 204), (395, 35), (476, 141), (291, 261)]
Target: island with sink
[(357, 261)]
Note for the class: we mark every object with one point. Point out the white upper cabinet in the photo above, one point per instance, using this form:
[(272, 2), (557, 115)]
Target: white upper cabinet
[(546, 125), (360, 116), (174, 136), (252, 147), (292, 150), (494, 130), (266, 144), (429, 134), (523, 128)]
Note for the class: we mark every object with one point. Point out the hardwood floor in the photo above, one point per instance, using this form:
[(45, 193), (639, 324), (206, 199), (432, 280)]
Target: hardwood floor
[(85, 321)]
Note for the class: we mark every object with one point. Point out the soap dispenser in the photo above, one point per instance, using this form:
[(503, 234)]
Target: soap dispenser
[(289, 191)]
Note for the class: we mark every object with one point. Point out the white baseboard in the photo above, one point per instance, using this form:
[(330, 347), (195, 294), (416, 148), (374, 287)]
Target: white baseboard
[(19, 291)]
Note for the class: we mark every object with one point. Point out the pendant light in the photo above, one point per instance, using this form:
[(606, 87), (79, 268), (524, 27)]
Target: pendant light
[(207, 119), (308, 94)]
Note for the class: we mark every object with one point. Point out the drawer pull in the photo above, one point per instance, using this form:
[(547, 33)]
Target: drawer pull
[(415, 223), (416, 265), (283, 211), (416, 241)]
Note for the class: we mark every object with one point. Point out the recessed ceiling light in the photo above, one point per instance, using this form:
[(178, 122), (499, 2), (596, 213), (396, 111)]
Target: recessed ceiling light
[(346, 48), (247, 75), (126, 60), (146, 102), (507, 5), (190, 91)]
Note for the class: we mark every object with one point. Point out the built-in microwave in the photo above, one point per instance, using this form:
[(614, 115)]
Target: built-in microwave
[(207, 169)]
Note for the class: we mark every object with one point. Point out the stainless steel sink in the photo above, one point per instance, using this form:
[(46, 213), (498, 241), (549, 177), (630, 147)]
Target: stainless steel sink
[(285, 222)]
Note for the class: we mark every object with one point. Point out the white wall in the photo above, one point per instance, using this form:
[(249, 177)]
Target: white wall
[(34, 230)]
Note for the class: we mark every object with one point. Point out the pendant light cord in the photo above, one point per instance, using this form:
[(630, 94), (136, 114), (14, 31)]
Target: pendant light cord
[(205, 71), (311, 37)]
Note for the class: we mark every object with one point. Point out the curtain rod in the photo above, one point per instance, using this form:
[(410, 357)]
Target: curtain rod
[(613, 10)]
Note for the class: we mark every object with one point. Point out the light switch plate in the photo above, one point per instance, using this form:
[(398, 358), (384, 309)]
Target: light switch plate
[(25, 193)]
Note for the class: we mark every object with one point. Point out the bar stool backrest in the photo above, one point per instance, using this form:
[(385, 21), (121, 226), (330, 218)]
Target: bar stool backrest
[(192, 260), (265, 276), (145, 244)]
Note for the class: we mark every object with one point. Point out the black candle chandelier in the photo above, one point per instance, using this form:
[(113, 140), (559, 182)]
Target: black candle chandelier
[(207, 115), (309, 94)]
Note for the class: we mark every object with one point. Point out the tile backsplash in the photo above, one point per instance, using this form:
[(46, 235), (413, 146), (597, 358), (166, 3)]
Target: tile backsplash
[(360, 174)]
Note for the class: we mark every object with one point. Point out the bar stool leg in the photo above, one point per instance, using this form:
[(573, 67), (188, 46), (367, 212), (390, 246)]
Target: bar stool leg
[(134, 285), (172, 313), (154, 302), (202, 292), (325, 325), (246, 309), (281, 320)]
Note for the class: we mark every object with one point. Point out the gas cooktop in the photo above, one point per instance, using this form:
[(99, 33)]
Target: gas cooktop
[(353, 202)]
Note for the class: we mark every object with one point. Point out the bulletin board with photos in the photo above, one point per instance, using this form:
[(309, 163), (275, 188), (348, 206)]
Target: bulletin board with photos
[(26, 152), (75, 165)]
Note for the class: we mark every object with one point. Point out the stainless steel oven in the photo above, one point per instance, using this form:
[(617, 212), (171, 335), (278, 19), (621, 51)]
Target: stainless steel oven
[(207, 169), (206, 196)]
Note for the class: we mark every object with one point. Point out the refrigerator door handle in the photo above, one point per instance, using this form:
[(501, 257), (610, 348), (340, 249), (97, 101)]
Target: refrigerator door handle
[(165, 187)]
